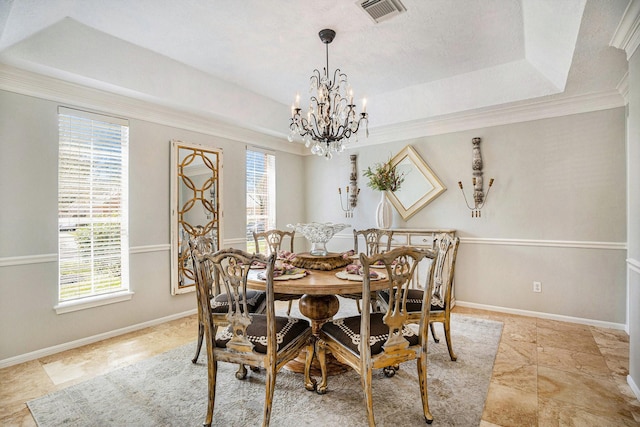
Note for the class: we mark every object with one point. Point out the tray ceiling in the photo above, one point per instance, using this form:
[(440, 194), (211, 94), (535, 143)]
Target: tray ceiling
[(244, 61)]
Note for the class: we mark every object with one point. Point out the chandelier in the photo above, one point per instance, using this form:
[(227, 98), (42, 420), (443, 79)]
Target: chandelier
[(331, 121)]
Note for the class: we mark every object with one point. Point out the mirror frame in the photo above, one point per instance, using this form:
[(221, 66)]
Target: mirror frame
[(421, 166), (176, 212)]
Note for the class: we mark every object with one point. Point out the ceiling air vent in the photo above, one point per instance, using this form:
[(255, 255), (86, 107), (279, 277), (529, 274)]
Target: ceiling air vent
[(381, 10)]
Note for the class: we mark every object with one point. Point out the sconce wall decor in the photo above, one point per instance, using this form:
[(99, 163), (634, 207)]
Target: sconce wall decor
[(479, 197), (352, 189)]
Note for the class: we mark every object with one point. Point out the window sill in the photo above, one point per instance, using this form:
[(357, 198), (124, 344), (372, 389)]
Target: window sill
[(90, 302)]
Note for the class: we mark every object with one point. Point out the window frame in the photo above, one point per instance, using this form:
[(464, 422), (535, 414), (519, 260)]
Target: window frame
[(103, 139), (270, 222)]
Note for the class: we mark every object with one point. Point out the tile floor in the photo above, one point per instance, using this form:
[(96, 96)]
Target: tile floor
[(546, 373)]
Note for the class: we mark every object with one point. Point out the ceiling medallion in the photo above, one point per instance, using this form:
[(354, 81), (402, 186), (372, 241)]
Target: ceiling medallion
[(331, 121)]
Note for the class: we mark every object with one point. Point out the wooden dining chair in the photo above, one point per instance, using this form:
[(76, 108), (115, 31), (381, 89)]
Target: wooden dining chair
[(276, 242), (373, 245), (256, 300), (443, 267), (380, 340), (257, 340)]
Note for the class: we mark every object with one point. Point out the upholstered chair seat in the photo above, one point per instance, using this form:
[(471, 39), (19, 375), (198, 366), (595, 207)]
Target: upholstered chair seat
[(287, 330), (414, 300), (346, 331), (256, 301)]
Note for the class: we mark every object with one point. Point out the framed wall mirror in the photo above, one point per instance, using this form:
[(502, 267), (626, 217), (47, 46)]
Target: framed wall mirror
[(421, 185), (196, 180)]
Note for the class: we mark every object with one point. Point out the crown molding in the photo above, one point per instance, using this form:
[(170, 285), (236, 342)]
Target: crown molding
[(627, 35), (53, 89), (28, 83), (623, 87), (556, 106)]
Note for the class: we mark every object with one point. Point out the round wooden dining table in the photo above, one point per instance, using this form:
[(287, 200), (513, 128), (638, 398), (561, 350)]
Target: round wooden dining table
[(318, 288), (318, 302)]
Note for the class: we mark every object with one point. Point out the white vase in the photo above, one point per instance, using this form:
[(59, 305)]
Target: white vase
[(383, 212)]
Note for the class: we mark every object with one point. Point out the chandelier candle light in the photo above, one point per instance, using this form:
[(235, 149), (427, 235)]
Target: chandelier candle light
[(331, 120)]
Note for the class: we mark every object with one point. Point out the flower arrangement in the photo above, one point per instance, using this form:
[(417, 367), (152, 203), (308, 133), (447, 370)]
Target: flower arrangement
[(384, 177)]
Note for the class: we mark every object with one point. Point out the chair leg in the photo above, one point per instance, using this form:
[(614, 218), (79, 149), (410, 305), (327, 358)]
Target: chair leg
[(213, 370), (447, 336), (270, 381), (421, 364), (433, 333), (289, 308), (375, 307), (358, 305), (366, 379), (199, 346)]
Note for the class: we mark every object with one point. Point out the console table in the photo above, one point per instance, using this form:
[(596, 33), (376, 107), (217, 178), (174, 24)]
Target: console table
[(421, 238)]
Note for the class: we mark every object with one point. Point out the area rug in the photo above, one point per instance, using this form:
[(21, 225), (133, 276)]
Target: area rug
[(168, 390)]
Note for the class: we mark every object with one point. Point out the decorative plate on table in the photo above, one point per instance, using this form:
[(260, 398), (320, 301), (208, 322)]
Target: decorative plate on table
[(291, 274), (376, 266), (357, 277), (380, 264)]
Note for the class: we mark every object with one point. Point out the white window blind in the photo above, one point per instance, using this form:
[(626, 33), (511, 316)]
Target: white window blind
[(93, 242), (261, 194)]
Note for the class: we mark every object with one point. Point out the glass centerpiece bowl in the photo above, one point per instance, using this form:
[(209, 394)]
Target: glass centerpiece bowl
[(318, 234)]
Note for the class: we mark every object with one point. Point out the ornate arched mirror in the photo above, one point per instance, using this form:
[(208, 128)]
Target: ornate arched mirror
[(196, 180)]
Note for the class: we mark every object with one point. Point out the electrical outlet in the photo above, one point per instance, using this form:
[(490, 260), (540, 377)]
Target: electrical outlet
[(537, 287)]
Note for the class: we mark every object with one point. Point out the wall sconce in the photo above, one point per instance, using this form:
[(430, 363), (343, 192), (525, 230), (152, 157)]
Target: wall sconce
[(479, 197), (352, 190)]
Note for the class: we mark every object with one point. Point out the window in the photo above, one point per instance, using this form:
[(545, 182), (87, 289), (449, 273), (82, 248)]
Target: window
[(261, 194), (93, 241)]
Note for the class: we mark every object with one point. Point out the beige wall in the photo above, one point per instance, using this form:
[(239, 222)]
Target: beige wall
[(633, 221), (28, 225), (556, 213)]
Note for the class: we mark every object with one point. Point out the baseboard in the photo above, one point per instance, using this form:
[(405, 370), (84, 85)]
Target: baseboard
[(634, 386), (542, 315), (90, 340)]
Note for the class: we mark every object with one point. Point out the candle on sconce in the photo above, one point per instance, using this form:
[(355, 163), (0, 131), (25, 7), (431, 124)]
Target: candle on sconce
[(351, 96), (364, 105), (297, 100)]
